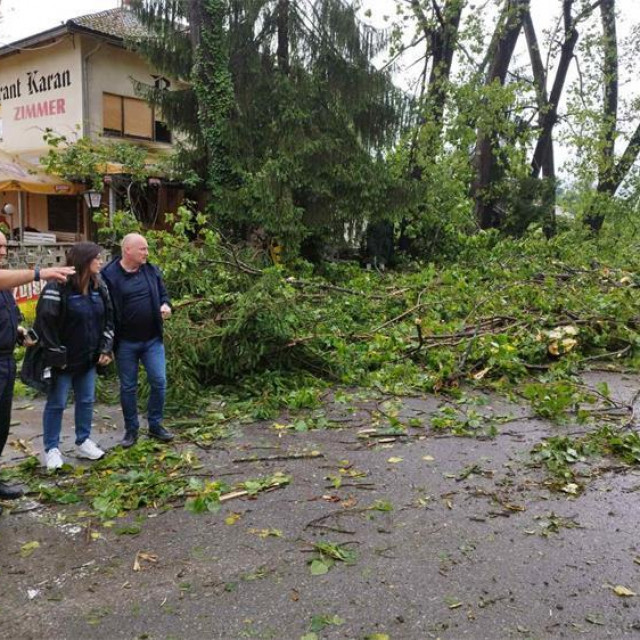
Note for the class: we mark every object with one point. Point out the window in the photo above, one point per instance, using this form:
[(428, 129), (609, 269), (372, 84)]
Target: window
[(131, 118), (112, 114), (162, 133), (63, 213)]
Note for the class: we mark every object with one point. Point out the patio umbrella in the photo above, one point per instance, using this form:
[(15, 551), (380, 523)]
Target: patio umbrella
[(18, 175)]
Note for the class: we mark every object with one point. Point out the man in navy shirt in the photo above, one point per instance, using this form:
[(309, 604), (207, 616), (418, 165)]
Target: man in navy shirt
[(140, 305), (9, 330)]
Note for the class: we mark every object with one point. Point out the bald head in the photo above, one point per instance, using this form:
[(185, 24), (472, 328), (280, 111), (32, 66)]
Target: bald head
[(135, 251), (132, 239)]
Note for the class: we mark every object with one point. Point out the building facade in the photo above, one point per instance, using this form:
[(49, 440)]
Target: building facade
[(77, 80)]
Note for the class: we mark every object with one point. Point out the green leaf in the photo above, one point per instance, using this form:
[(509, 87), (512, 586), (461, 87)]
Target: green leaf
[(28, 548), (381, 505), (129, 530), (319, 567), (318, 623)]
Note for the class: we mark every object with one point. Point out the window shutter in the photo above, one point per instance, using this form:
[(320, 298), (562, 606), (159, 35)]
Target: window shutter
[(138, 119), (111, 112)]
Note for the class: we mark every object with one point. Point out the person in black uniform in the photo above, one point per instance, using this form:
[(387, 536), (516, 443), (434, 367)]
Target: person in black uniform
[(10, 329)]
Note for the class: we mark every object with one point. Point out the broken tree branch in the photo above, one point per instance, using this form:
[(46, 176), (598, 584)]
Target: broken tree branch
[(284, 456)]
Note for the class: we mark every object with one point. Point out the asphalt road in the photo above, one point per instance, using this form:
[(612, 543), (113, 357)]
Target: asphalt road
[(446, 537)]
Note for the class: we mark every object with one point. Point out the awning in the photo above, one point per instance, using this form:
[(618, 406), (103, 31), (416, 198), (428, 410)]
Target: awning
[(18, 175), (151, 161)]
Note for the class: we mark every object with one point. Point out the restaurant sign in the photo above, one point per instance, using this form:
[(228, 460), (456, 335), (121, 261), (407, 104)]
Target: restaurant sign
[(34, 83)]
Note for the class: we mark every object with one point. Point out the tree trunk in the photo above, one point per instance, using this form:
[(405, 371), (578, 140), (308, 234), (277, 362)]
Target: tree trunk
[(213, 87), (608, 179), (613, 173), (623, 166), (543, 152), (195, 22), (441, 42), (282, 53), (548, 161), (540, 83), (443, 46), (610, 109), (502, 46)]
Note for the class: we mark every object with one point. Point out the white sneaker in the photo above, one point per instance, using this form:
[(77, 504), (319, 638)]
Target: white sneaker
[(89, 449), (53, 459)]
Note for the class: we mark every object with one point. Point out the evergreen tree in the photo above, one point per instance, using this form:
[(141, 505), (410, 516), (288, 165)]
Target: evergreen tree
[(310, 119)]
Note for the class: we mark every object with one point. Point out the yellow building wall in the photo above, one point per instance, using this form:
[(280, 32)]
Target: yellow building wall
[(40, 90), (30, 103), (110, 69), (36, 212), (88, 67)]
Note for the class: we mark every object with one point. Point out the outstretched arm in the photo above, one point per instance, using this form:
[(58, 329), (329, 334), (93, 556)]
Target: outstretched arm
[(11, 278)]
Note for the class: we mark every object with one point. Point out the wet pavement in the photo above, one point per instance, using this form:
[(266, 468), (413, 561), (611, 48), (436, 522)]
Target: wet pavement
[(452, 537)]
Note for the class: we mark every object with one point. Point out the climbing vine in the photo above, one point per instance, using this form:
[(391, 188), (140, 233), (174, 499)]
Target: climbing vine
[(214, 90)]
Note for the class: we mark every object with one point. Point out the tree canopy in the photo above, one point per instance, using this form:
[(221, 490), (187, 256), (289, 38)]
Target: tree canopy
[(286, 105), (289, 114)]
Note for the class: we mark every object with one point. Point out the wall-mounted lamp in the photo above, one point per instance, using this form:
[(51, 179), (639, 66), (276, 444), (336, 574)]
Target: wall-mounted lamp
[(92, 199)]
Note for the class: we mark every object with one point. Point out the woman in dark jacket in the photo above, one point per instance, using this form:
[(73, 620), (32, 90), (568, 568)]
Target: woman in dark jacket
[(74, 322)]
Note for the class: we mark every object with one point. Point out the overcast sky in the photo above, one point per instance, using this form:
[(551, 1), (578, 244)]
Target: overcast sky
[(22, 18)]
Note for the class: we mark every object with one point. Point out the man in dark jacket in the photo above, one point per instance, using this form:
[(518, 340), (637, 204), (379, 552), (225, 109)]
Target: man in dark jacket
[(10, 329), (140, 306)]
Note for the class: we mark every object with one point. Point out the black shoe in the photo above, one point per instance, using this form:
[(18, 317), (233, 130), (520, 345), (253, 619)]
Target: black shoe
[(8, 492), (130, 438), (160, 433)]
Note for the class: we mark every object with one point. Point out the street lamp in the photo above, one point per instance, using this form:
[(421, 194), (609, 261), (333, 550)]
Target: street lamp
[(8, 209)]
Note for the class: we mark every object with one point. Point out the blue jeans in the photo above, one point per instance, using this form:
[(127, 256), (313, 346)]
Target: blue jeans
[(128, 356), (84, 387)]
